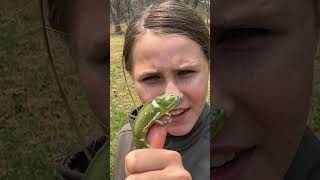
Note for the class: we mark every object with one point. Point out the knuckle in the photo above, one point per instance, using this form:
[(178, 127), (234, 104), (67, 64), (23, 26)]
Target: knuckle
[(174, 157), (130, 161), (131, 177), (183, 175)]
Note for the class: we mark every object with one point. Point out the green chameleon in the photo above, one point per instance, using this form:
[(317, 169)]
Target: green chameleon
[(150, 114), (217, 122)]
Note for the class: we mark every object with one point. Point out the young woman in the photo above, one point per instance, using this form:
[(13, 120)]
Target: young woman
[(263, 55), (166, 51)]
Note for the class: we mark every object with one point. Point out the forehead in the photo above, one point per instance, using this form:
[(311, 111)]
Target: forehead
[(90, 28), (171, 48), (275, 13)]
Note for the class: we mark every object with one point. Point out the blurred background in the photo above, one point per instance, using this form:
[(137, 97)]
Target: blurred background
[(36, 133)]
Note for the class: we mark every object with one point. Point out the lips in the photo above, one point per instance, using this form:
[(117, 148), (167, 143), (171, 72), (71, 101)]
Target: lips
[(230, 163), (177, 115), (175, 112), (221, 159)]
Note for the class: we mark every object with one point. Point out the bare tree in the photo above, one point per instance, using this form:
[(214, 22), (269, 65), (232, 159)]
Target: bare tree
[(195, 4), (140, 5), (116, 15), (127, 12)]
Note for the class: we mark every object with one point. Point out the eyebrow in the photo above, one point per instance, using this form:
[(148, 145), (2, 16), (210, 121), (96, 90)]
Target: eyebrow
[(246, 15), (182, 67), (147, 74), (188, 66), (98, 49)]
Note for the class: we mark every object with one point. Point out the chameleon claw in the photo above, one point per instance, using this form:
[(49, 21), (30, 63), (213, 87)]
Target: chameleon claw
[(164, 121)]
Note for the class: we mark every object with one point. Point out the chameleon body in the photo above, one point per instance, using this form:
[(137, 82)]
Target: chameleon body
[(150, 114), (217, 122)]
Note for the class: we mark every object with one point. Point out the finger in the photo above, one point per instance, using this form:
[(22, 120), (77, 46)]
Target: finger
[(165, 174), (156, 136), (143, 160)]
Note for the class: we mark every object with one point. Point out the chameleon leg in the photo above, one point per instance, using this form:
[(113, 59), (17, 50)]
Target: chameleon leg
[(143, 143), (164, 121)]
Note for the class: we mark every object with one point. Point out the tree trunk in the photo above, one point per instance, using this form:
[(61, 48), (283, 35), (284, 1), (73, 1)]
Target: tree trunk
[(116, 16), (195, 4), (140, 5)]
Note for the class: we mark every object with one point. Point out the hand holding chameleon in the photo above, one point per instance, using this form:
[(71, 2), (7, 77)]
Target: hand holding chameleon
[(150, 163), (150, 114)]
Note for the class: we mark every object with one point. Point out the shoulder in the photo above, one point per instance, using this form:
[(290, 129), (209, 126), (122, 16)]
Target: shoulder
[(306, 164), (124, 137), (124, 146), (126, 128), (74, 165)]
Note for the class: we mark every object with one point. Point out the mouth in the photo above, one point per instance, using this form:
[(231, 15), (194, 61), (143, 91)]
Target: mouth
[(230, 164), (178, 114)]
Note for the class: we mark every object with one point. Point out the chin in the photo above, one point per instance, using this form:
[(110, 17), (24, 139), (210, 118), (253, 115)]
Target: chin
[(179, 131)]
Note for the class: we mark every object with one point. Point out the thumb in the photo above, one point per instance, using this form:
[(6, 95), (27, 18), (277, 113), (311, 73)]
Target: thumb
[(156, 136)]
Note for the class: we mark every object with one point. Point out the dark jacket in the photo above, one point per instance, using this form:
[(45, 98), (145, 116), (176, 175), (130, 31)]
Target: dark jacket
[(75, 165), (306, 164), (193, 147)]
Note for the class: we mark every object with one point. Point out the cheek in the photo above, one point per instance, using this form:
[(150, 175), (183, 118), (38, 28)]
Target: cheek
[(147, 93), (197, 89), (95, 85)]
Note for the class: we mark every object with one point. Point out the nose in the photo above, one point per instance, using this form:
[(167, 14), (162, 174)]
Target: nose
[(172, 87)]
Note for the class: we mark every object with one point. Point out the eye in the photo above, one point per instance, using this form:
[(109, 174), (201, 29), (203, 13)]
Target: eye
[(103, 60), (239, 35), (98, 61), (150, 78), (185, 72)]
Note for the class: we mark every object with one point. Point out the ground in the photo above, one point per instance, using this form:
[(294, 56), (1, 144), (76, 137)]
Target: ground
[(35, 130)]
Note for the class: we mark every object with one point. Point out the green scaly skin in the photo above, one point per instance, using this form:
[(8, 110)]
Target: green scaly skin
[(150, 114), (217, 122)]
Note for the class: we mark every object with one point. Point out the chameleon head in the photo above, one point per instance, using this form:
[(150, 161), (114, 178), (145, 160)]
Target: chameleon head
[(168, 100)]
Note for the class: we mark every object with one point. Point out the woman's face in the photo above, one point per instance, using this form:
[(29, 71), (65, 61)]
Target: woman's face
[(167, 63), (263, 52), (90, 49)]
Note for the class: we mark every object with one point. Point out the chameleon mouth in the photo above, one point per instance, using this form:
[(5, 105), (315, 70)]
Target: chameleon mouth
[(178, 115), (172, 114), (176, 112)]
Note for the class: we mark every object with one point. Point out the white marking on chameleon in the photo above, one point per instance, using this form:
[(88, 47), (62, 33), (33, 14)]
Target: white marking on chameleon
[(154, 118), (155, 104)]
